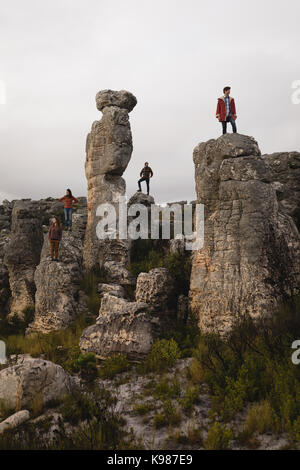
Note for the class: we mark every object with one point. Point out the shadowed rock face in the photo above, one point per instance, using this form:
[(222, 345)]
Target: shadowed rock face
[(250, 259), (108, 151), (23, 254)]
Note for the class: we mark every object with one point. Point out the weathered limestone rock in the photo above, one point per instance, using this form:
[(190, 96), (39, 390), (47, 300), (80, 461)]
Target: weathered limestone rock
[(116, 273), (4, 289), (121, 327), (156, 288), (30, 378), (14, 420), (58, 297), (112, 289), (285, 174), (23, 254), (141, 198), (108, 151), (250, 259)]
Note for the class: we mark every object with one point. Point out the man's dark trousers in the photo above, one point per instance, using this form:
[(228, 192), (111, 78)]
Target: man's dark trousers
[(232, 122), (147, 183)]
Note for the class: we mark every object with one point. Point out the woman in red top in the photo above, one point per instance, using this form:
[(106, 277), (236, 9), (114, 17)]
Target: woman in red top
[(68, 200)]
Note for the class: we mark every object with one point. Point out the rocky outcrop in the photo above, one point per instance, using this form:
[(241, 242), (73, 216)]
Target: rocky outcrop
[(121, 327), (108, 151), (14, 420), (250, 259), (285, 175), (58, 299), (23, 254), (32, 378), (156, 288)]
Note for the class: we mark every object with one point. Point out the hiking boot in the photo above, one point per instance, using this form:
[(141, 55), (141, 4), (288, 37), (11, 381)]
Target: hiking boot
[(139, 191)]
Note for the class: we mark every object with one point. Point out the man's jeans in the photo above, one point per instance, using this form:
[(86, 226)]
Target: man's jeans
[(147, 183), (232, 122), (68, 216)]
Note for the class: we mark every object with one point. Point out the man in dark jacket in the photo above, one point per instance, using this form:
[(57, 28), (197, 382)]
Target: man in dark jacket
[(226, 111), (146, 173)]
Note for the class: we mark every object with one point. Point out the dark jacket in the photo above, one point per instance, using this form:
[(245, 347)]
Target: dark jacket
[(146, 172), (55, 233)]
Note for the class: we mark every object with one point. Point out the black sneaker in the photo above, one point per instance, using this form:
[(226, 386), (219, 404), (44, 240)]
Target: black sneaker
[(139, 191)]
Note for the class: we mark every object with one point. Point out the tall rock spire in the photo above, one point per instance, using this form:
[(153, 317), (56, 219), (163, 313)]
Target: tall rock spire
[(108, 152)]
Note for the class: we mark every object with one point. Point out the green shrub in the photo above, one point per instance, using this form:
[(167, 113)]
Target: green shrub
[(260, 418), (167, 389), (114, 365), (144, 408), (89, 284), (86, 364), (164, 353), (192, 397), (169, 416), (254, 365), (218, 437)]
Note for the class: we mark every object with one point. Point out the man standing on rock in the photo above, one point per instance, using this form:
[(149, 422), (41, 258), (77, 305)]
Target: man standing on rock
[(226, 111), (146, 173)]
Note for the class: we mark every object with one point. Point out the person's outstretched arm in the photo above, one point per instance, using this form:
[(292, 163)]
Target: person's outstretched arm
[(61, 199)]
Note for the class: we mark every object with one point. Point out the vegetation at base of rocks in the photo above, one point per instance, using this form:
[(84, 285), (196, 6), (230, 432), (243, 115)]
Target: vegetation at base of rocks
[(146, 257), (164, 353), (254, 366), (218, 437), (86, 364), (191, 398), (54, 346), (89, 422), (169, 416), (17, 324), (89, 284), (114, 365), (186, 335), (144, 408), (167, 388), (193, 437)]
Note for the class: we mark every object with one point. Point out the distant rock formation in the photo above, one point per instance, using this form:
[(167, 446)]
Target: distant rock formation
[(250, 259), (108, 152), (23, 254)]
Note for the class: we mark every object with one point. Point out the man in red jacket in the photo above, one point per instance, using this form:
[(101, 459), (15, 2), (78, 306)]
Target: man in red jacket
[(226, 111)]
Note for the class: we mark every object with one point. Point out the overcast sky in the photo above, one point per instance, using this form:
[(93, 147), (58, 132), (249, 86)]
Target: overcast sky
[(174, 56)]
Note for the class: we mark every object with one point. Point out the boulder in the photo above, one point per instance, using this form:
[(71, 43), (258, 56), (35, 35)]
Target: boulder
[(112, 289), (14, 420), (29, 378), (156, 288), (121, 327)]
